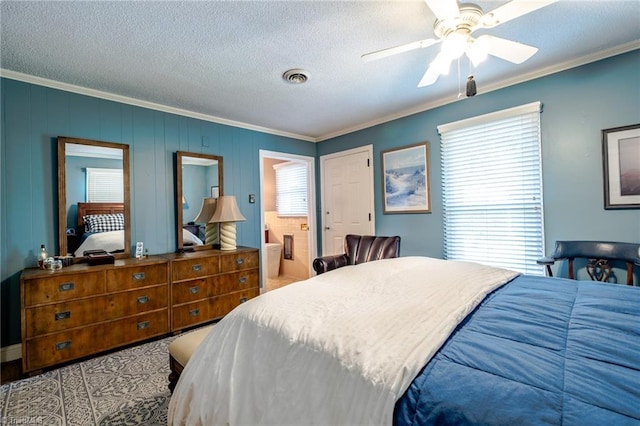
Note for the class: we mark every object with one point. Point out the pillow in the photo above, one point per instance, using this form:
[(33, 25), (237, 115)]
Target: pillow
[(103, 222), (190, 239)]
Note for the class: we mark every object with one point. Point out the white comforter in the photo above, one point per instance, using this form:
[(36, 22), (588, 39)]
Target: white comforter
[(110, 241), (339, 348)]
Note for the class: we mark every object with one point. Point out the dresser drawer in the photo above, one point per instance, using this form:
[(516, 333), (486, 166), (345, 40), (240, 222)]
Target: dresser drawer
[(138, 328), (185, 269), (193, 290), (60, 316), (238, 261), (237, 281), (190, 291), (79, 342), (132, 277), (55, 288), (209, 309)]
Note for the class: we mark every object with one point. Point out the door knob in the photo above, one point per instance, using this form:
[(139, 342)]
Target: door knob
[(327, 228)]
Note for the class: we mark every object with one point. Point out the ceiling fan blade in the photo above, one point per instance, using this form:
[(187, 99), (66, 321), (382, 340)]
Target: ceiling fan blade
[(512, 10), (508, 50), (398, 49), (440, 65), (444, 9)]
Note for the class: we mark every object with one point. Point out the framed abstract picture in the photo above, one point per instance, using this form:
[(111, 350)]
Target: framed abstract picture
[(621, 166), (405, 179)]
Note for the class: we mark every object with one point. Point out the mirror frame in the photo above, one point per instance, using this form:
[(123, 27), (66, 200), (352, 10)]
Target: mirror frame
[(179, 215), (62, 193)]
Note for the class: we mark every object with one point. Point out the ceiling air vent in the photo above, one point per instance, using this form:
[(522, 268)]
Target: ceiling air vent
[(296, 76)]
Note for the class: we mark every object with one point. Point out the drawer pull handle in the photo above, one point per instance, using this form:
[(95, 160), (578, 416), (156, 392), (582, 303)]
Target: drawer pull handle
[(62, 315), (194, 312), (143, 299), (196, 268), (243, 280), (243, 299), (63, 345), (142, 325), (66, 286), (194, 290), (240, 261), (138, 276)]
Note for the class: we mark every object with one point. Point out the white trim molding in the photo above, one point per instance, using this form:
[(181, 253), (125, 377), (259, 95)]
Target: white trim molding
[(11, 353), (617, 50), (13, 75)]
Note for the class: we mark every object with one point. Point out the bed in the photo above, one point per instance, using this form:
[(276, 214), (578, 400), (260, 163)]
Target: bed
[(190, 238), (100, 227), (416, 341)]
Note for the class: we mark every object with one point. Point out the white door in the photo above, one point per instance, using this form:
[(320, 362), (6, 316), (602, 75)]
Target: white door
[(347, 197)]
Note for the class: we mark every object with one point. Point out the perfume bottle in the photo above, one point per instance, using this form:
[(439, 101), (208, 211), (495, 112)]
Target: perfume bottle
[(42, 256)]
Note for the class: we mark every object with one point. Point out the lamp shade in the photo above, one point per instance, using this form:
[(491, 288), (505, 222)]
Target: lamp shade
[(227, 210), (206, 211)]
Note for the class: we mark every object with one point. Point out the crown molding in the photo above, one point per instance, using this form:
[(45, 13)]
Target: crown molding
[(624, 48), (618, 50), (27, 78)]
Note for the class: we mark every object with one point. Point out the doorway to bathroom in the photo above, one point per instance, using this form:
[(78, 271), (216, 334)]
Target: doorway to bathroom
[(288, 218)]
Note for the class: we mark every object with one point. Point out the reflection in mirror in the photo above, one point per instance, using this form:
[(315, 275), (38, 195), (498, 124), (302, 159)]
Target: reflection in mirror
[(93, 197), (198, 185)]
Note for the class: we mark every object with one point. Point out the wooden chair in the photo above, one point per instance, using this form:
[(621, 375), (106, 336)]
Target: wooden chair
[(600, 254), (359, 249)]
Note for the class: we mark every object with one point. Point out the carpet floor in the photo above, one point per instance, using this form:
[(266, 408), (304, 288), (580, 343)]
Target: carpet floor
[(128, 387)]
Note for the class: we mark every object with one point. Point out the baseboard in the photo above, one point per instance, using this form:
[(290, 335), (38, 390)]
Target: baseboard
[(11, 353)]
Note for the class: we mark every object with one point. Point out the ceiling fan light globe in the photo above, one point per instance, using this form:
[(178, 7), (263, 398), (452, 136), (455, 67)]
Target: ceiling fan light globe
[(455, 45), (479, 50)]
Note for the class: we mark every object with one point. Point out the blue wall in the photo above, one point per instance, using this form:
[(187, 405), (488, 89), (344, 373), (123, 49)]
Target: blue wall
[(578, 104), (34, 116)]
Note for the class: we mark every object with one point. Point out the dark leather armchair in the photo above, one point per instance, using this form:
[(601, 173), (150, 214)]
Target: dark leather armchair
[(599, 255), (359, 249)]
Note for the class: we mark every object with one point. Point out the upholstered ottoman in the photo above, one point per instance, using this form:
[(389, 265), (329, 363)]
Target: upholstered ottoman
[(180, 351)]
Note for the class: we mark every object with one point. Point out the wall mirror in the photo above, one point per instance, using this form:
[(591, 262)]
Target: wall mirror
[(93, 197), (199, 182)]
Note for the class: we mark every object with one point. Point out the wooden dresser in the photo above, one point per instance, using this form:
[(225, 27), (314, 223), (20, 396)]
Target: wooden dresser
[(206, 285), (81, 310)]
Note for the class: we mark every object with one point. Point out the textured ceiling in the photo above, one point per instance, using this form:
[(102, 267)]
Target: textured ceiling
[(224, 61)]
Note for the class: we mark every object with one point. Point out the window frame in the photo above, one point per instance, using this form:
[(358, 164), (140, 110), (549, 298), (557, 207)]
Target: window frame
[(508, 235)]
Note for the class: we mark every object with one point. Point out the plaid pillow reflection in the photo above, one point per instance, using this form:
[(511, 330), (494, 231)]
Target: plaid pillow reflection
[(103, 222)]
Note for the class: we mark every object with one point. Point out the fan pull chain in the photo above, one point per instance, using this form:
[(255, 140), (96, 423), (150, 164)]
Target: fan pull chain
[(459, 84)]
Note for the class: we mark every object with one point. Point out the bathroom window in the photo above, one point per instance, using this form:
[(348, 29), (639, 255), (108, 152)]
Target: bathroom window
[(291, 189)]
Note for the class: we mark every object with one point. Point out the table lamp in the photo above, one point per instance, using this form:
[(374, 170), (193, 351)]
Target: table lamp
[(227, 214), (206, 214)]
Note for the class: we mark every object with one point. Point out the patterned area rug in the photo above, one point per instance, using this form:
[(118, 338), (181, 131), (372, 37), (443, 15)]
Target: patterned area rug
[(123, 388)]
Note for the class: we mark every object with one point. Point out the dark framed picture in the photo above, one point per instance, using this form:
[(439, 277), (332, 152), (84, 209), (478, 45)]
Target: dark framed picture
[(405, 179), (621, 166), (215, 191)]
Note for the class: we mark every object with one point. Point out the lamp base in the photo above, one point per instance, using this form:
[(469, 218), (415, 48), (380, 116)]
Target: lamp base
[(227, 236), (211, 234)]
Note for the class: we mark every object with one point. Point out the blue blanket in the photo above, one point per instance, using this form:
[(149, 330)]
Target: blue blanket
[(536, 351)]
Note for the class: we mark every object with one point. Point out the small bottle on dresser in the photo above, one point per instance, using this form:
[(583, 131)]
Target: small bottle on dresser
[(42, 256)]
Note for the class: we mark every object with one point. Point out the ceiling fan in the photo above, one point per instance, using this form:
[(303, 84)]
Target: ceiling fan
[(453, 27)]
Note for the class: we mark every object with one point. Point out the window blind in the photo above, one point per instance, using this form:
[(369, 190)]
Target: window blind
[(104, 185), (492, 189), (291, 189)]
